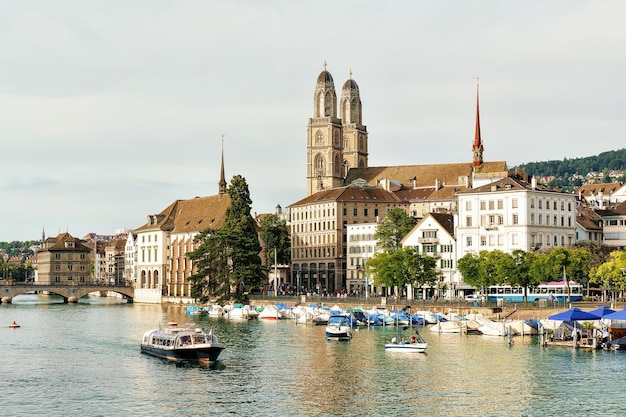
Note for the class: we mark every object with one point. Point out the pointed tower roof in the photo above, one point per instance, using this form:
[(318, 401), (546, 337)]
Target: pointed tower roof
[(222, 182), (477, 146)]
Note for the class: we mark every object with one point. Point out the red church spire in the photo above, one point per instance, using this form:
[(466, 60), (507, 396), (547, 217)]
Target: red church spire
[(477, 147)]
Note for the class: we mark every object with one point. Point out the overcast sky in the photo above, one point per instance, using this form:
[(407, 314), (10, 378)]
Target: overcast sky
[(111, 110)]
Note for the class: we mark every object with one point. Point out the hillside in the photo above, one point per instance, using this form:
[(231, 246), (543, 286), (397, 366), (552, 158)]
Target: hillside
[(572, 173)]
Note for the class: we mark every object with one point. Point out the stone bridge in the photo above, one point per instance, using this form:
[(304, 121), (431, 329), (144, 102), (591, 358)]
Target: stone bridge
[(70, 293)]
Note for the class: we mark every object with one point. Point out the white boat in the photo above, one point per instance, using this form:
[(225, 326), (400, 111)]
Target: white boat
[(338, 328), (242, 312), (494, 329), (216, 310), (453, 326), (428, 316), (270, 312), (414, 345), (182, 344), (524, 327), (456, 326)]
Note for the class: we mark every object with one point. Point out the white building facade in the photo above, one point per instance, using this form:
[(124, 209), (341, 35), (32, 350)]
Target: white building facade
[(512, 214), (433, 236), (361, 246)]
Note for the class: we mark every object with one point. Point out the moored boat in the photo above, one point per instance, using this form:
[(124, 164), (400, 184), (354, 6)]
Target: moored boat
[(339, 328), (182, 344), (415, 345)]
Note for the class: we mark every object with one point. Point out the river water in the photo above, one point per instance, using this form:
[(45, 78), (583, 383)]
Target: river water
[(84, 359)]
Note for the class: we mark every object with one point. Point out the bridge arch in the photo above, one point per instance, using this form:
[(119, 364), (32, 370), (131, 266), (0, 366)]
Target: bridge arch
[(69, 293)]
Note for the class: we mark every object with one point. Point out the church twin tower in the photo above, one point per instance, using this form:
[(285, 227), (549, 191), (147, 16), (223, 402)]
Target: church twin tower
[(334, 145)]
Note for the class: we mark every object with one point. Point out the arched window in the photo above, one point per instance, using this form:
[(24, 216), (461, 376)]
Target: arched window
[(320, 165)]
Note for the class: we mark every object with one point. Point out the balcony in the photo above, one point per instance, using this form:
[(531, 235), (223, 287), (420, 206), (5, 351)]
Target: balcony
[(433, 240)]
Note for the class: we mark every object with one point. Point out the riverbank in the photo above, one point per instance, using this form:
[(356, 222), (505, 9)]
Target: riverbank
[(518, 311)]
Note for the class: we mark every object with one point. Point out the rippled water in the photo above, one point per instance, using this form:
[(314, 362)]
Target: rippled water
[(84, 359)]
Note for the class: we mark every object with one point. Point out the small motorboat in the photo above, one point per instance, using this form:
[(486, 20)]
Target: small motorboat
[(338, 328), (14, 325), (415, 344)]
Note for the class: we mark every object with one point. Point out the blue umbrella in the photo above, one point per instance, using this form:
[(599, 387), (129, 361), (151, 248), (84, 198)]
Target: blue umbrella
[(618, 315), (574, 314), (602, 311)]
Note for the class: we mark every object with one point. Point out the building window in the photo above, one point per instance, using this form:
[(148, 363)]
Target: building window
[(468, 205), (500, 204), (365, 212), (355, 212), (468, 241), (468, 221), (483, 205), (515, 219), (345, 211), (376, 212), (514, 203), (483, 241)]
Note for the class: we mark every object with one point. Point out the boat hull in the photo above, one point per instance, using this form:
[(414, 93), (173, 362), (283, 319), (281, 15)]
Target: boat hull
[(191, 355), (406, 347), (338, 334)]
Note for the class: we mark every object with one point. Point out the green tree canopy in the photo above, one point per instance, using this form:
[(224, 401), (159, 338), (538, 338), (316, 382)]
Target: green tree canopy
[(402, 267), (485, 269), (275, 234), (390, 231), (612, 272)]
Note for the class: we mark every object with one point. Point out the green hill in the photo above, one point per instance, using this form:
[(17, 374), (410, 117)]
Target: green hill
[(572, 173)]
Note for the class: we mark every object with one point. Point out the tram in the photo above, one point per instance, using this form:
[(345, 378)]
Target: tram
[(554, 290)]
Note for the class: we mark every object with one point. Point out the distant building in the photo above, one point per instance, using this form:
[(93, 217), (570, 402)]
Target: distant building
[(63, 260), (603, 196), (589, 225), (615, 226)]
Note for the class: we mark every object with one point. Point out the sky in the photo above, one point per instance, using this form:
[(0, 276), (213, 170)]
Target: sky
[(111, 110)]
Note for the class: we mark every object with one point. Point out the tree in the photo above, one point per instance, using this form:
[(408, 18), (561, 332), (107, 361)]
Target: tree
[(611, 274), (402, 267), (521, 274), (472, 268), (227, 259), (275, 234), (393, 228)]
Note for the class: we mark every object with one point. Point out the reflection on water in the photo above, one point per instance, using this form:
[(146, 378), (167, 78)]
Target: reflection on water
[(85, 359)]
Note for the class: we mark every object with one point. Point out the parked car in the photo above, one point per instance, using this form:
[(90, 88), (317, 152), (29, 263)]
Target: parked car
[(475, 297)]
